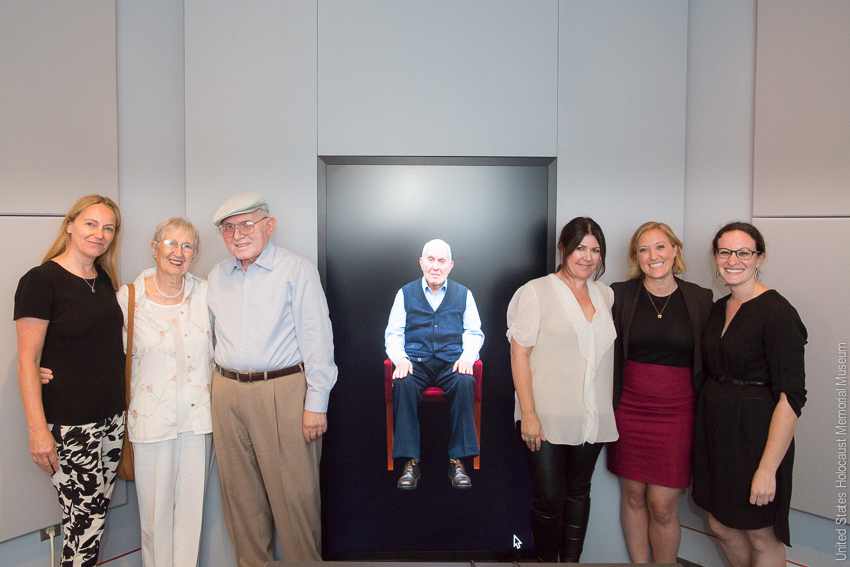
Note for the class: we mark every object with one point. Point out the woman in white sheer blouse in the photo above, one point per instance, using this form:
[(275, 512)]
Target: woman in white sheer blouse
[(562, 359)]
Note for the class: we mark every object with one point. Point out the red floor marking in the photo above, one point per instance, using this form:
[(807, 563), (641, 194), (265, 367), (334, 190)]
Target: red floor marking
[(119, 557), (699, 531)]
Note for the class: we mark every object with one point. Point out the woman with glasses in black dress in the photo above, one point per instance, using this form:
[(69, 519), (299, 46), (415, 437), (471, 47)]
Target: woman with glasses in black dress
[(748, 408)]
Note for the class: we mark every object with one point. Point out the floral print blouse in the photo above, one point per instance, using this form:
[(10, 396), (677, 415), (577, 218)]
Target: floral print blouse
[(157, 374)]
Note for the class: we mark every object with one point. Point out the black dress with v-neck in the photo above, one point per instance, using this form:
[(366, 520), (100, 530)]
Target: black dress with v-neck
[(764, 343)]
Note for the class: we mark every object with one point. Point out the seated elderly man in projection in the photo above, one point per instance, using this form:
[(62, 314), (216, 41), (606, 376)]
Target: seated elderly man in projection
[(433, 338)]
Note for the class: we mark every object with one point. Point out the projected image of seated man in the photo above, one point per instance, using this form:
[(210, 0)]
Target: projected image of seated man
[(433, 338)]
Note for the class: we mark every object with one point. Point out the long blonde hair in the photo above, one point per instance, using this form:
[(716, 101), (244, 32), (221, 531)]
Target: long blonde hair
[(108, 261), (679, 264)]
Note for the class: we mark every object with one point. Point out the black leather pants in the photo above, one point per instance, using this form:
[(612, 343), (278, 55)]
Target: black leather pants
[(560, 508)]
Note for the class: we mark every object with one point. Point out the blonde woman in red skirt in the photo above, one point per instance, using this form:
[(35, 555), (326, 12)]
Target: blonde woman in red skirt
[(658, 371)]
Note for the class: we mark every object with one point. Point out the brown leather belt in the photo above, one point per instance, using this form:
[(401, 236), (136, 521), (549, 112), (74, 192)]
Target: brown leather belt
[(257, 376)]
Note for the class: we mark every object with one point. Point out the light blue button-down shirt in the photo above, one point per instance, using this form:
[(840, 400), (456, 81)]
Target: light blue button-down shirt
[(473, 338), (274, 315)]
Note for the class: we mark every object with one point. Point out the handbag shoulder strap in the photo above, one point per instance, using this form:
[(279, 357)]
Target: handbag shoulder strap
[(128, 365)]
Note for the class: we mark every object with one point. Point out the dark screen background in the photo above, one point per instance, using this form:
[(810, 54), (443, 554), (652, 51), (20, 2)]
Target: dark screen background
[(378, 217)]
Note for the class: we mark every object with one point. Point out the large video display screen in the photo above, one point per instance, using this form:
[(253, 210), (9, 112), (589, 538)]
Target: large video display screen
[(377, 217)]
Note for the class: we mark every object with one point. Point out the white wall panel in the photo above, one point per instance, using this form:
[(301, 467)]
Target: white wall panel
[(804, 265), (250, 81), (58, 113), (27, 499), (621, 116), (719, 145), (150, 124), (802, 119), (439, 78), (604, 543), (718, 171)]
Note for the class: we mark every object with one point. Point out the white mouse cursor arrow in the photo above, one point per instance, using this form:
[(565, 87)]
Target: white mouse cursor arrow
[(517, 542)]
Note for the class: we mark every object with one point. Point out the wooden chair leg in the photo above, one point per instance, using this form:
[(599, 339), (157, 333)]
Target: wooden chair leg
[(390, 436), (478, 433)]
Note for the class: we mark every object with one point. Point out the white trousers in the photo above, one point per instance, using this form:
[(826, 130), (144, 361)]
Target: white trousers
[(170, 480)]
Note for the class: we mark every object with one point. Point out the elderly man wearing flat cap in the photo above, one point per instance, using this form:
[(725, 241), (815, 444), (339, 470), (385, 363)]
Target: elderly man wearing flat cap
[(274, 370)]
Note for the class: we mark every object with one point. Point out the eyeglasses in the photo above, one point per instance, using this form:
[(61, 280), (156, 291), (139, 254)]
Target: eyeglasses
[(174, 245), (245, 227), (742, 254)]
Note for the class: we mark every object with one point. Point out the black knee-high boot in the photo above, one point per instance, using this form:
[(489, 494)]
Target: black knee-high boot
[(576, 515), (547, 535)]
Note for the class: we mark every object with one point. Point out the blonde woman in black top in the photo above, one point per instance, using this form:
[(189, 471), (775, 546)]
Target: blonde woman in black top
[(657, 372), (68, 319)]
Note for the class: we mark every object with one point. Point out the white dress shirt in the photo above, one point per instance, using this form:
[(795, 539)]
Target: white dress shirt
[(274, 315)]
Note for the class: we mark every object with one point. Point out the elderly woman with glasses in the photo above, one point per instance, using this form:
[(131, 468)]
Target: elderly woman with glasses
[(753, 349), (169, 419)]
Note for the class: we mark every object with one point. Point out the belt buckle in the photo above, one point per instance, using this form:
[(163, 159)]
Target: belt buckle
[(238, 378)]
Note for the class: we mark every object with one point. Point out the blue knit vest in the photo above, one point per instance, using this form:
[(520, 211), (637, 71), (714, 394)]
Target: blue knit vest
[(429, 333)]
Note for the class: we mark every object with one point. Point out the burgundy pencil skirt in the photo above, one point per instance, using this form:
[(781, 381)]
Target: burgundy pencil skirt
[(655, 420)]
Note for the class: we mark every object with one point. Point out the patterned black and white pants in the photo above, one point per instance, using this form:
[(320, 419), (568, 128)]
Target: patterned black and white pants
[(88, 460)]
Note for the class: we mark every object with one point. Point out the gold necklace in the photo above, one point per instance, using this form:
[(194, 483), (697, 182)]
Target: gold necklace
[(653, 303), (575, 289)]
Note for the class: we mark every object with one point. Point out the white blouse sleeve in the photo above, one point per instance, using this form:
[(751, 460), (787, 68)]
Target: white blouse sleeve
[(524, 316)]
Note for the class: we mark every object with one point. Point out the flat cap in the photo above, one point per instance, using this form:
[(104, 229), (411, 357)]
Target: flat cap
[(239, 205)]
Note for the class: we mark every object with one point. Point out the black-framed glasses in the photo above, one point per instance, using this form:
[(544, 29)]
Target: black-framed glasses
[(741, 253), (174, 245), (245, 227)]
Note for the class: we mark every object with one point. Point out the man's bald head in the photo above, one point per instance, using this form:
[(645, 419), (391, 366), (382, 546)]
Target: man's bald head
[(436, 263), (441, 245)]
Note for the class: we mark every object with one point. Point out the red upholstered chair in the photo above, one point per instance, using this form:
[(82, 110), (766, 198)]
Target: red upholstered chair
[(429, 395)]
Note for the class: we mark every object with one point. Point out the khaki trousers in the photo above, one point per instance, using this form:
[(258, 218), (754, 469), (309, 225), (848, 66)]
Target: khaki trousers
[(269, 475)]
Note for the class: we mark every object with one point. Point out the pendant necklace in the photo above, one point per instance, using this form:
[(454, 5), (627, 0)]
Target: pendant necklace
[(156, 285), (91, 285), (653, 303)]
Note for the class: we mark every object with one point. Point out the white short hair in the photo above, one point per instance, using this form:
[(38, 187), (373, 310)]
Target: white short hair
[(437, 241), (176, 223)]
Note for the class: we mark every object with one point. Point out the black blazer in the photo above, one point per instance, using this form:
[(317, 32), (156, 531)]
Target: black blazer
[(698, 300)]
